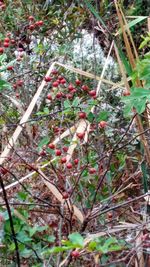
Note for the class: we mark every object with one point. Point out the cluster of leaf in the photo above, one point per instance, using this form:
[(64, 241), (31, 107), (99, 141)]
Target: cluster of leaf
[(139, 96), (76, 241)]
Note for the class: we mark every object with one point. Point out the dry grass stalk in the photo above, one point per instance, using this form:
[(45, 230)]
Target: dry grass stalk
[(104, 68), (13, 139), (85, 73), (59, 197)]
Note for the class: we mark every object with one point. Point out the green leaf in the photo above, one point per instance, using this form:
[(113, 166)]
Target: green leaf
[(76, 102), (125, 62), (144, 42), (43, 142), (92, 245), (134, 22), (94, 12), (139, 92), (67, 104), (90, 117), (102, 116), (76, 238), (22, 195), (35, 229), (140, 105), (23, 237), (145, 176), (26, 253), (4, 84), (12, 247), (56, 250), (51, 238), (127, 109)]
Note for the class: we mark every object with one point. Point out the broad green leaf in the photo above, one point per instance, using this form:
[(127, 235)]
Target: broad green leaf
[(140, 105), (76, 102), (35, 229), (67, 104), (76, 238), (92, 245), (4, 84), (26, 253), (51, 238), (137, 92), (23, 237)]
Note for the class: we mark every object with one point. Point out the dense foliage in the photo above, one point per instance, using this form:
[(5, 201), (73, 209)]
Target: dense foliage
[(75, 176)]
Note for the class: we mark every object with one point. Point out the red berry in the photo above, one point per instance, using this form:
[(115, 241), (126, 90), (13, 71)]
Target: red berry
[(49, 97), (69, 165), (59, 95), (13, 41), (6, 44), (76, 161), (109, 215), (69, 96), (31, 18), (60, 77), (42, 153), (75, 254), (31, 27), (126, 93), (3, 170), (54, 72), (65, 195), (92, 170), (10, 68), (20, 82), (1, 50), (80, 135), (58, 152), (65, 148), (82, 115), (78, 82), (1, 218), (56, 130), (92, 93), (63, 160), (17, 95), (51, 146), (47, 78), (3, 6), (39, 23), (55, 84), (15, 86), (6, 40), (73, 91), (63, 81), (70, 87), (102, 124), (85, 88)]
